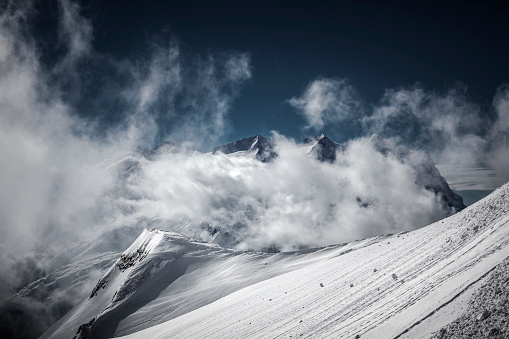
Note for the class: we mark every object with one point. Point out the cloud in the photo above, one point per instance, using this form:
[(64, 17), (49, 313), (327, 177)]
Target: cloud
[(295, 201), (187, 98), (457, 131), (442, 122), (213, 84), (65, 124), (498, 153), (75, 33), (327, 100)]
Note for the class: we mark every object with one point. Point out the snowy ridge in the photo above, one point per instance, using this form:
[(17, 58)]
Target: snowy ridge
[(407, 285), (150, 253)]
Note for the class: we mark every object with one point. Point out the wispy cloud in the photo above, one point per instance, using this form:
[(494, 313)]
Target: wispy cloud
[(498, 152), (456, 130), (327, 101), (75, 33), (213, 84), (52, 142)]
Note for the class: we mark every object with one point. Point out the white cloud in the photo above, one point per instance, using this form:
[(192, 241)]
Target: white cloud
[(75, 32), (53, 190), (446, 123), (213, 84), (456, 131), (327, 100), (498, 154), (294, 201)]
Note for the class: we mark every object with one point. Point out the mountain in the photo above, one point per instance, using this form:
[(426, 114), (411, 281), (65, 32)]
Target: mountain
[(444, 279), (261, 147), (325, 149), (427, 175), (76, 271), (49, 298)]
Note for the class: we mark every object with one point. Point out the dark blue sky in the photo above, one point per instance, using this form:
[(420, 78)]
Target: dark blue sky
[(375, 46)]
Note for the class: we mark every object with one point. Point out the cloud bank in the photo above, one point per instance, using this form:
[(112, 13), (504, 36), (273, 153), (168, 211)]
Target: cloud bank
[(293, 202)]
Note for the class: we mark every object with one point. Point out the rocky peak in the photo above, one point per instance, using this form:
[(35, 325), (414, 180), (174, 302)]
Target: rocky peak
[(325, 149)]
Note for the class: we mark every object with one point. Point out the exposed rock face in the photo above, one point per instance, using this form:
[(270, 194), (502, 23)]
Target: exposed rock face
[(427, 175), (263, 147), (488, 310), (84, 330), (325, 149)]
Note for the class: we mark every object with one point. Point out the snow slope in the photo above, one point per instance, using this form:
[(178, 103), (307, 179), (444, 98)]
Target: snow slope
[(73, 274), (418, 275), (178, 275), (406, 285)]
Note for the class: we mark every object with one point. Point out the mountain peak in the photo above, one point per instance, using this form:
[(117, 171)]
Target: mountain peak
[(325, 149), (320, 137), (261, 146)]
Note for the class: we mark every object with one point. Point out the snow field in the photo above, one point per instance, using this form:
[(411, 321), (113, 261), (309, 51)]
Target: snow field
[(433, 266)]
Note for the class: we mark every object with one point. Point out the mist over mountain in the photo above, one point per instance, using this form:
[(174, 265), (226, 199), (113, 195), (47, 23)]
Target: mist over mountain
[(265, 194), (410, 284), (112, 117)]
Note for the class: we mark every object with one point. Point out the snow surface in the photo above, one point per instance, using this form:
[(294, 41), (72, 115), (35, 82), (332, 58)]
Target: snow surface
[(167, 285)]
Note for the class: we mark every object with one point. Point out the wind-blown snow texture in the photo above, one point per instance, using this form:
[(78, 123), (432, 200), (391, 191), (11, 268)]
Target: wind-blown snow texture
[(406, 285)]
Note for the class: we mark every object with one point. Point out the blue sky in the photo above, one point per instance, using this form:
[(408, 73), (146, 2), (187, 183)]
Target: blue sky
[(375, 47)]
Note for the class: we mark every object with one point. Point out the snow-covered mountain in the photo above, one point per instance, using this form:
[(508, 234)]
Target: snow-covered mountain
[(427, 175), (262, 148), (77, 270), (407, 285), (326, 150)]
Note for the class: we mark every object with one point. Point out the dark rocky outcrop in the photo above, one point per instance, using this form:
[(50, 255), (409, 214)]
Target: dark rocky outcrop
[(264, 147)]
